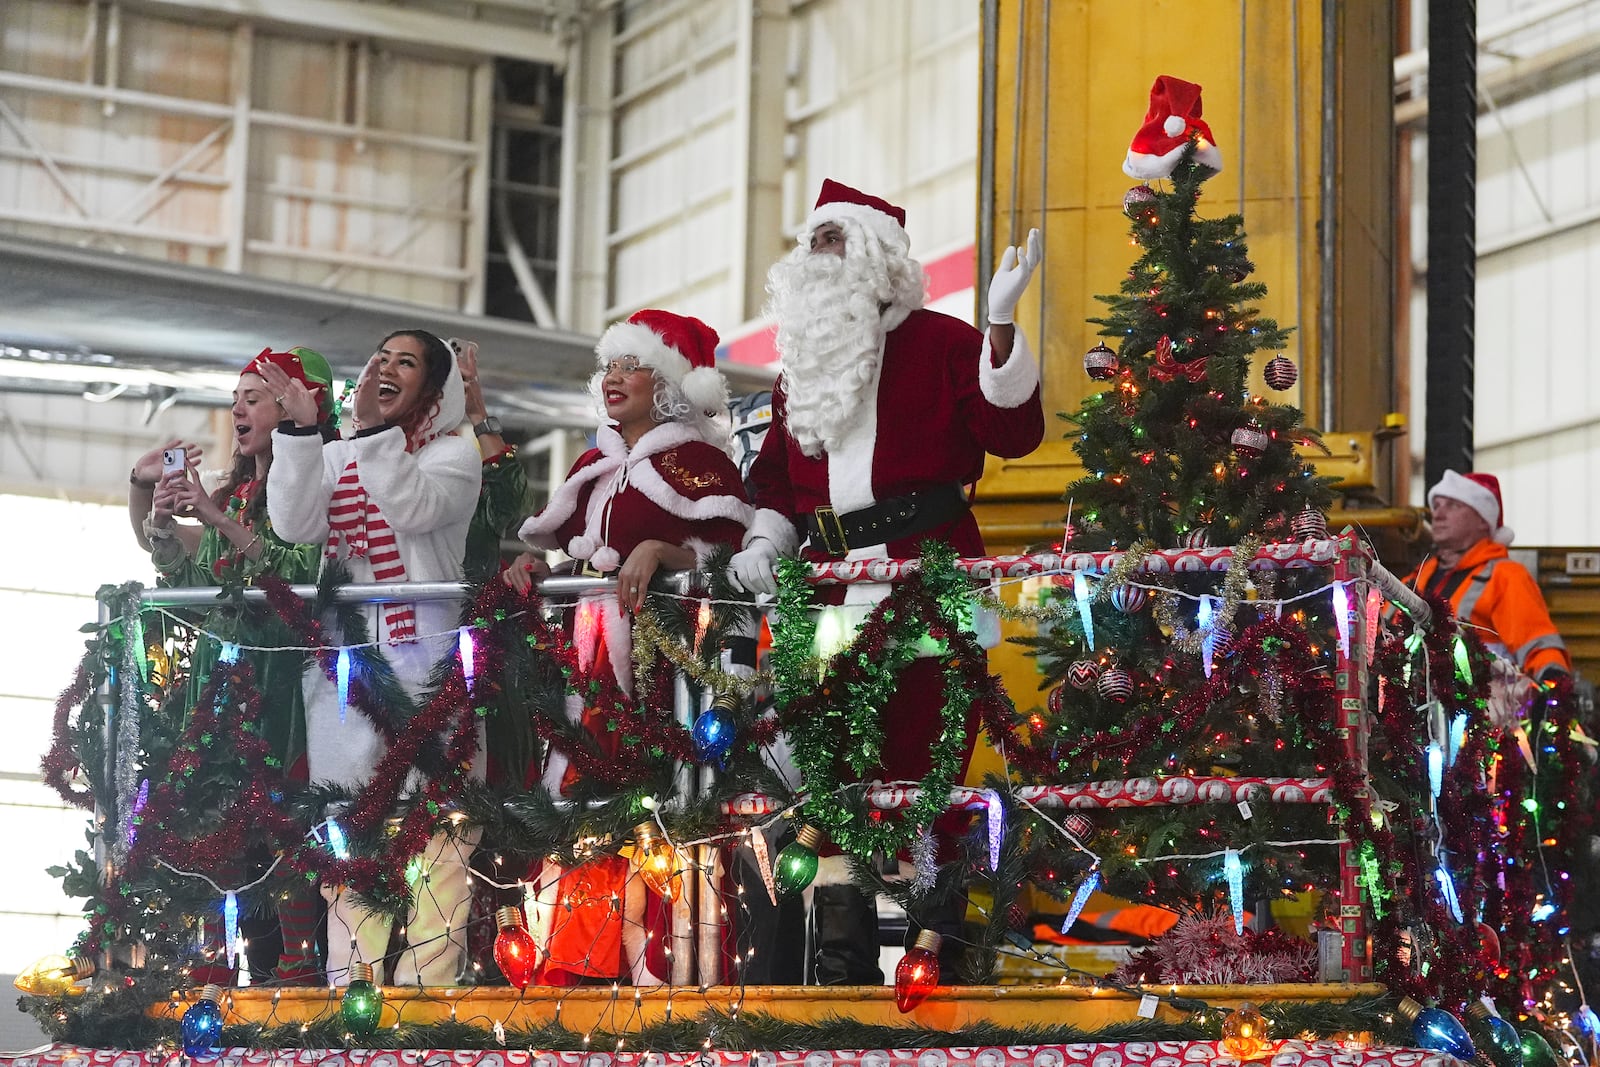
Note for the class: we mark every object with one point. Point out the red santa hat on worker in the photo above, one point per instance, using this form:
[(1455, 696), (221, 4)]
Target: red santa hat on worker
[(877, 216), (1481, 493), (1172, 121), (679, 348)]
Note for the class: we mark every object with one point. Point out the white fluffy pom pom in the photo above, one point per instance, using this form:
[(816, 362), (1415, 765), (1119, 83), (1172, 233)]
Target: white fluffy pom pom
[(581, 547), (705, 390), (1175, 125), (605, 559)]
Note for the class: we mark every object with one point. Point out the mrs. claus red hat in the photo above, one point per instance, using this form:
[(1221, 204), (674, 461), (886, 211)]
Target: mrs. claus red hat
[(678, 348)]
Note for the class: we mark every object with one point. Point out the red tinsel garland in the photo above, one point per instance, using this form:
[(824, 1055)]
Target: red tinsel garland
[(60, 762)]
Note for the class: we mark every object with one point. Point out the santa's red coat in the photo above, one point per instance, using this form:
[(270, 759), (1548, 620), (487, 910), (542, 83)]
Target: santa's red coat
[(939, 405)]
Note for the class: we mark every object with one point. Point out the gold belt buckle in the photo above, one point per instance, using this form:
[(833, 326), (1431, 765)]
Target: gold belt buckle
[(831, 531), (588, 570)]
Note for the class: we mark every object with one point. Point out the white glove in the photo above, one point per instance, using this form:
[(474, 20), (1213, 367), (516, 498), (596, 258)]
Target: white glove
[(1016, 270), (751, 570)]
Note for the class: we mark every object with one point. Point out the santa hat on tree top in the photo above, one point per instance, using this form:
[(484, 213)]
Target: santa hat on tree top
[(877, 216), (678, 348), (1173, 119), (1481, 493)]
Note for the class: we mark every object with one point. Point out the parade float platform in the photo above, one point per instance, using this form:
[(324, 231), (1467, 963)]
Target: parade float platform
[(627, 1009), (1096, 1054)]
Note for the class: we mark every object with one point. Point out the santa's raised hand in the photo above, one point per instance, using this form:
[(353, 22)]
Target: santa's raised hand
[(1010, 281)]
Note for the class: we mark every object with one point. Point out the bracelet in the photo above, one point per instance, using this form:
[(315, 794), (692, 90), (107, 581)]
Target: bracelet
[(153, 533), (248, 545)]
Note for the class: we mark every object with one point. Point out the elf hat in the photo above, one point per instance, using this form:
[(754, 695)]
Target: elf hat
[(879, 217), (1481, 493), (1173, 118), (304, 366), (680, 349)]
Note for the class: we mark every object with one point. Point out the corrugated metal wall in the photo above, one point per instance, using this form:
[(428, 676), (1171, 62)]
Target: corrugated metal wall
[(327, 161), (1538, 394), (882, 95)]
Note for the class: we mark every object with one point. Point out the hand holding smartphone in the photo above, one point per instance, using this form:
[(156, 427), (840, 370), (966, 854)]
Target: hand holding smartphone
[(174, 459)]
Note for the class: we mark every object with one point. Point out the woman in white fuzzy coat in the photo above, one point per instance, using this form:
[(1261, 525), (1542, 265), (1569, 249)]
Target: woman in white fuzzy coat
[(392, 503)]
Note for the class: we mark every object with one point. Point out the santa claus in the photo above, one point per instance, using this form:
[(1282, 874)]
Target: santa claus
[(881, 420)]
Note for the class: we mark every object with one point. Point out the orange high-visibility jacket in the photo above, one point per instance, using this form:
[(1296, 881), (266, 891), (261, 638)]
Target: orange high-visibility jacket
[(1491, 590)]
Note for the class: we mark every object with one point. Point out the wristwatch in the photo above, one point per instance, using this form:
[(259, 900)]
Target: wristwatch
[(489, 425)]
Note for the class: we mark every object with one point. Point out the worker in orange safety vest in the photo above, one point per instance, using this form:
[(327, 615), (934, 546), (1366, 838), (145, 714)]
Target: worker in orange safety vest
[(1471, 569)]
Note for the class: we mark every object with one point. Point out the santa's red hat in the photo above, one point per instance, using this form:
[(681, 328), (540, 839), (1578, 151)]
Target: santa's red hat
[(1173, 119), (678, 348), (879, 217), (1481, 493)]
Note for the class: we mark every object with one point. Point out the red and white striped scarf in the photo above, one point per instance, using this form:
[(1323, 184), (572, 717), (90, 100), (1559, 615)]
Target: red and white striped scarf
[(355, 522)]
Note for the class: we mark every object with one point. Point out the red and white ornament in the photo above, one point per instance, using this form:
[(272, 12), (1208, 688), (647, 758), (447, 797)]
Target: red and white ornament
[(1053, 701), (1139, 200), (1078, 825), (1250, 440), (1101, 363), (1115, 685), (1199, 537), (1309, 525), (1128, 599), (1083, 674), (1281, 373)]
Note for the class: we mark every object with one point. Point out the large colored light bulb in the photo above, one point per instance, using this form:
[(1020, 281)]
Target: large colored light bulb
[(1438, 1030), (797, 863), (1244, 1032), (202, 1025), (917, 974), (514, 949), (714, 730), (655, 860), (1536, 1051), (1499, 1038), (363, 1001), (54, 976)]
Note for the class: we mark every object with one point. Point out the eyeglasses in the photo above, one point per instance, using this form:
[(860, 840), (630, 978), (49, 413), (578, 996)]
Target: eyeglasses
[(625, 365)]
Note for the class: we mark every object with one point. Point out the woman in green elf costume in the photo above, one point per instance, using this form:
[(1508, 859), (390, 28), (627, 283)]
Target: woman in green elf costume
[(232, 541)]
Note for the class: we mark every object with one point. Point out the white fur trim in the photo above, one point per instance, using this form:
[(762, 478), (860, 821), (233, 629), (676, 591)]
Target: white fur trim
[(645, 345), (605, 559), (880, 225), (1478, 498), (643, 476), (1147, 166), (774, 527), (702, 550), (850, 458), (1009, 386), (539, 530)]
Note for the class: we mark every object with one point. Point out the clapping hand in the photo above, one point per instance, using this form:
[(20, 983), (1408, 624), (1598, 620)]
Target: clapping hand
[(291, 394)]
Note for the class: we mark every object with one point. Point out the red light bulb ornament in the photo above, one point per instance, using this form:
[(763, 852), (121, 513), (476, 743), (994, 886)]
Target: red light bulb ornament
[(917, 974), (514, 950)]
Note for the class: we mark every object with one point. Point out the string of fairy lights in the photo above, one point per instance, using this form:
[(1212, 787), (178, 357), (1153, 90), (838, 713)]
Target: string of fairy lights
[(1084, 592)]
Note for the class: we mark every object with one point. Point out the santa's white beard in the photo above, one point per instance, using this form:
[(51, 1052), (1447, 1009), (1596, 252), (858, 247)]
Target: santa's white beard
[(830, 335)]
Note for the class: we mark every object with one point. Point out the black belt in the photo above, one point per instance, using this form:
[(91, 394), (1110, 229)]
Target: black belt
[(888, 520)]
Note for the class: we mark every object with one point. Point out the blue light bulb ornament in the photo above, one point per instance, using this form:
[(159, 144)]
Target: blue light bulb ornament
[(713, 731), (202, 1025), (1436, 1029)]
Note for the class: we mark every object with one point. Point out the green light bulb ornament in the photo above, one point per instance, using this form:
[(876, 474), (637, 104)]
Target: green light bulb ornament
[(1495, 1036), (797, 863), (363, 1001), (1536, 1051)]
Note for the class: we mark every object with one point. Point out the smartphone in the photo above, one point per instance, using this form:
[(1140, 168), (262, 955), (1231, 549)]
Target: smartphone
[(173, 459)]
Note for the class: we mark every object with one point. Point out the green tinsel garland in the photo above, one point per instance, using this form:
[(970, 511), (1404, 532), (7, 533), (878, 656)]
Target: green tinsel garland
[(118, 1020), (837, 719)]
